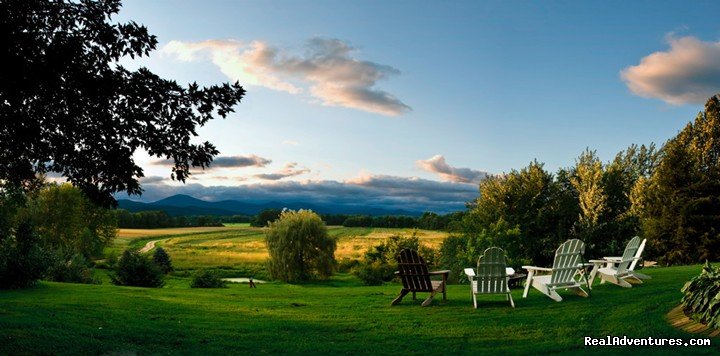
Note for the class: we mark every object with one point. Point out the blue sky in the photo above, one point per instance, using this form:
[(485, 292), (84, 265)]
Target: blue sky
[(410, 103)]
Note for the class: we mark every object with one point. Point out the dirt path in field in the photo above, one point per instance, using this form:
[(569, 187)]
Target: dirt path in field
[(149, 246)]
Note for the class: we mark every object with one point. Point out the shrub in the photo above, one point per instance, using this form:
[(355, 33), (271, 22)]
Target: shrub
[(162, 259), (75, 269), (702, 296), (299, 247), (454, 257), (374, 273), (380, 261), (347, 264), (134, 269), (22, 260), (207, 279)]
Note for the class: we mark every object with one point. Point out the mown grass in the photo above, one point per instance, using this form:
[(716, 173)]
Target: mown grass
[(336, 316)]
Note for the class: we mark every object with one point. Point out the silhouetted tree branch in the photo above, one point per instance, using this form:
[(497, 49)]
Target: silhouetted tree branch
[(67, 106)]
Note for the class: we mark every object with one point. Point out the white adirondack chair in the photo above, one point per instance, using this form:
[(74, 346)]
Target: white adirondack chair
[(491, 277), (620, 270), (565, 266)]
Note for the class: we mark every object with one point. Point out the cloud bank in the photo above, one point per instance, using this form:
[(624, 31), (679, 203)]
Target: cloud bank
[(226, 162), (290, 170), (382, 191), (437, 164), (327, 69), (687, 73)]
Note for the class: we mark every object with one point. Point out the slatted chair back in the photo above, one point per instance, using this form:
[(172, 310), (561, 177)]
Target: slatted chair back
[(413, 271), (491, 274), (565, 265), (629, 255), (638, 254)]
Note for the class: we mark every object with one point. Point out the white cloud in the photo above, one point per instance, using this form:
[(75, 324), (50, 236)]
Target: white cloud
[(327, 69), (290, 170), (226, 162), (437, 164), (688, 72)]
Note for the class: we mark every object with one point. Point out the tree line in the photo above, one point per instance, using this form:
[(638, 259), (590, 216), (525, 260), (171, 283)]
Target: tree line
[(427, 221), (160, 219), (670, 195)]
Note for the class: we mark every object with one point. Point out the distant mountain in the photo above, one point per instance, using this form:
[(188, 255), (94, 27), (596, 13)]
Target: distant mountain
[(180, 204)]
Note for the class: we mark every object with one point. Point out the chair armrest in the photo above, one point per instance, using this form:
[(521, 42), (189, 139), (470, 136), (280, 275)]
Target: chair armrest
[(445, 271), (612, 259), (599, 261), (469, 272), (397, 272), (537, 268), (509, 271)]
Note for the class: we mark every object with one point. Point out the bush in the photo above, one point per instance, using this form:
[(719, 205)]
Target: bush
[(162, 259), (454, 257), (75, 269), (22, 260), (380, 261), (702, 296), (299, 246), (374, 273), (134, 269), (207, 279), (347, 264)]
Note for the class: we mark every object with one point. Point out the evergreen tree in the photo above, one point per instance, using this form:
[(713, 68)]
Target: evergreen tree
[(162, 259)]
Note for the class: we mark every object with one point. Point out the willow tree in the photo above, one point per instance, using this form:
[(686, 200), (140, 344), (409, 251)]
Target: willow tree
[(299, 246)]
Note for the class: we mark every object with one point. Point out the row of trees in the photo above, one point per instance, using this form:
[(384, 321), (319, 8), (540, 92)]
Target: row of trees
[(427, 221), (160, 219), (671, 196)]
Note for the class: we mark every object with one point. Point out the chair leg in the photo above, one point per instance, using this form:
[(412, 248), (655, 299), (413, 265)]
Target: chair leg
[(579, 291), (544, 289), (474, 300), (512, 302), (528, 282), (429, 299), (403, 293), (617, 281)]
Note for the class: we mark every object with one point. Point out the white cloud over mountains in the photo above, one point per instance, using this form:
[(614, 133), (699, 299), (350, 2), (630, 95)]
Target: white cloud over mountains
[(391, 192), (327, 69), (687, 73), (437, 164)]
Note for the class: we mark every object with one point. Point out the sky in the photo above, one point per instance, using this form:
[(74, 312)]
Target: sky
[(412, 103)]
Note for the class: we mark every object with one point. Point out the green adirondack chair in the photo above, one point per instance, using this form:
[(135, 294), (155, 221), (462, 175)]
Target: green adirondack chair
[(491, 277), (562, 274), (621, 270)]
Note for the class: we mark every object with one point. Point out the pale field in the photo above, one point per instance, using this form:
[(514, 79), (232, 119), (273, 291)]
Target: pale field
[(232, 246)]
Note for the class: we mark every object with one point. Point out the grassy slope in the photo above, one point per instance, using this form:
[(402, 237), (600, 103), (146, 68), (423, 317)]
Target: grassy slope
[(334, 316)]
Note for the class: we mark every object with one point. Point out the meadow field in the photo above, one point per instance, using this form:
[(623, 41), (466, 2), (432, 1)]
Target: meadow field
[(239, 245), (339, 315)]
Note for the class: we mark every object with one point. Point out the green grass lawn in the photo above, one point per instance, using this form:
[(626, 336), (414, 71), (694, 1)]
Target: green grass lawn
[(338, 316)]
